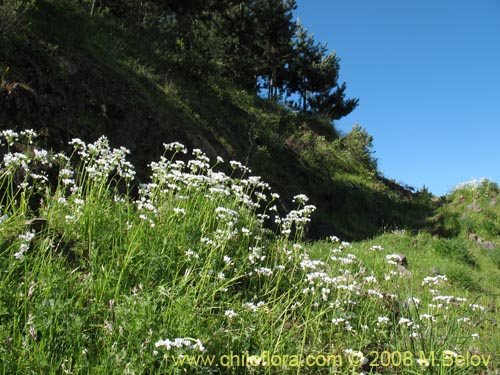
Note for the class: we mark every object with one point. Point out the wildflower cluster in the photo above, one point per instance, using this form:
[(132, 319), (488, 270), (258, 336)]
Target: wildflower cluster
[(179, 343), (25, 240), (300, 217), (99, 160), (24, 165)]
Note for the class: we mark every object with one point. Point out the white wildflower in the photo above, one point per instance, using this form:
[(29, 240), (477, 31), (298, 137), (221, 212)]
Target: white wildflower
[(301, 198), (230, 314)]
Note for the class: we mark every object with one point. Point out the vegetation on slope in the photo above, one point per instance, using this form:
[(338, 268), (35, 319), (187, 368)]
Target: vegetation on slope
[(107, 268), (68, 75), (184, 278), (469, 209)]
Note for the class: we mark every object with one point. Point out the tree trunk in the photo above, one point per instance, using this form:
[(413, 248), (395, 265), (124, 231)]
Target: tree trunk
[(92, 8)]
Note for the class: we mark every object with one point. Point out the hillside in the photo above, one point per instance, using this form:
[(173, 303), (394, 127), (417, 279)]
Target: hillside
[(135, 239), (185, 278), (69, 75)]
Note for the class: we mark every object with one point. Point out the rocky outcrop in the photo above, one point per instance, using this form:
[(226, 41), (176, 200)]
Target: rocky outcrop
[(403, 271), (402, 266), (474, 206), (482, 242)]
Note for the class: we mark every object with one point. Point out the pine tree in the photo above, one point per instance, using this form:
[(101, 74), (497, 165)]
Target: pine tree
[(332, 102), (314, 74), (247, 39), (329, 98), (276, 30), (242, 43), (303, 65)]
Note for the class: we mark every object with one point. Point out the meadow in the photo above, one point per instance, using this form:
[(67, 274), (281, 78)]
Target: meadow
[(198, 271)]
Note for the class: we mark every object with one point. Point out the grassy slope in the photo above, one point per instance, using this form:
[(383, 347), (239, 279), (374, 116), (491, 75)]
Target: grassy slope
[(468, 218), (95, 282), (86, 77)]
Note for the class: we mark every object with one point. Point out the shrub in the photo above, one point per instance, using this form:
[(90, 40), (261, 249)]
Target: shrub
[(360, 145)]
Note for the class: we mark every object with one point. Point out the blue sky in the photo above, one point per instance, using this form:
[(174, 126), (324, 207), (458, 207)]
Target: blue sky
[(427, 73)]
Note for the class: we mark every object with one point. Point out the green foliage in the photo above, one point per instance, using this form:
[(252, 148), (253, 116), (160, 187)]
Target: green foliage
[(328, 150), (358, 144), (461, 276), (313, 75), (456, 249), (178, 85), (185, 272), (303, 66), (471, 208), (256, 44), (14, 16), (136, 14), (277, 29), (494, 257)]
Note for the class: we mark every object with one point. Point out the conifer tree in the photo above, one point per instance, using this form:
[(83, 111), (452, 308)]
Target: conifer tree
[(328, 97), (248, 42), (242, 43), (275, 32), (303, 65), (314, 74)]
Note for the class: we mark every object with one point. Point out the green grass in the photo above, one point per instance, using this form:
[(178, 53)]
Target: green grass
[(100, 276)]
